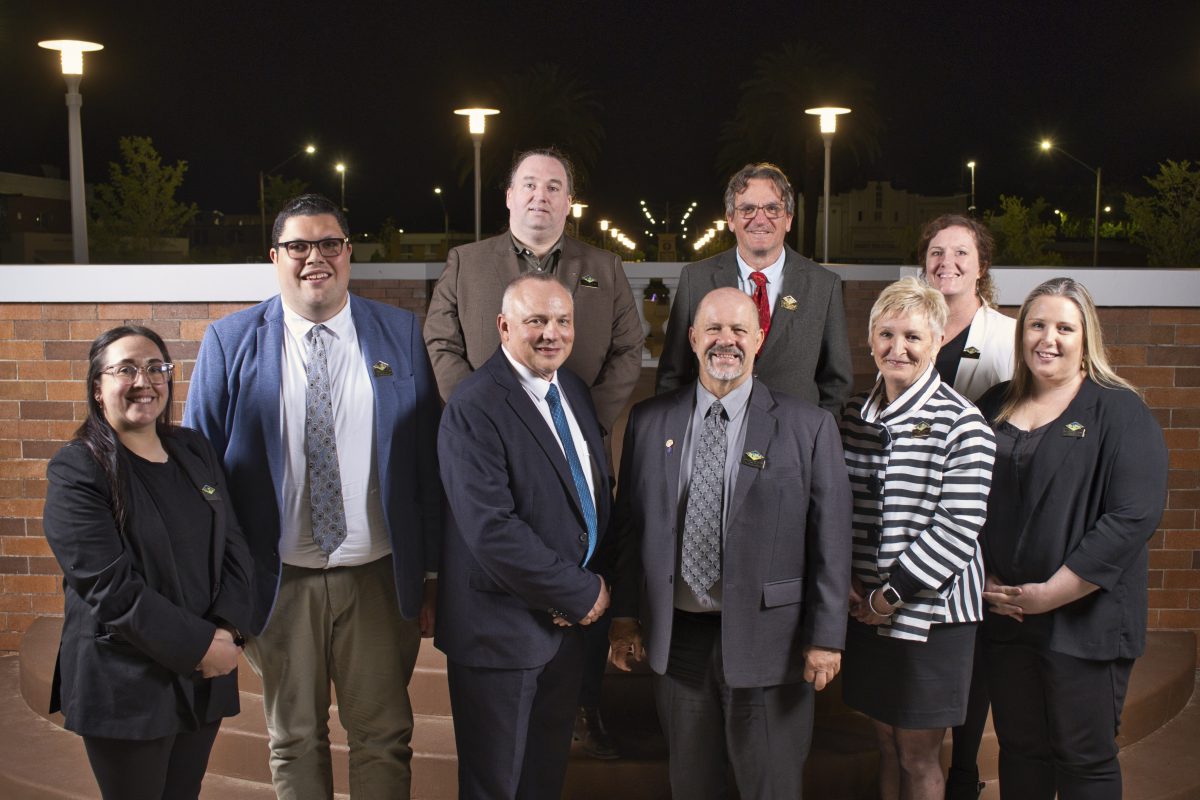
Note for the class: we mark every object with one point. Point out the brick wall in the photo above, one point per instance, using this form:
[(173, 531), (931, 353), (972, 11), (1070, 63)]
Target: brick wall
[(43, 351)]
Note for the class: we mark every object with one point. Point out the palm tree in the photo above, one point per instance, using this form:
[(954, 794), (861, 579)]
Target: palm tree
[(770, 123), (546, 105)]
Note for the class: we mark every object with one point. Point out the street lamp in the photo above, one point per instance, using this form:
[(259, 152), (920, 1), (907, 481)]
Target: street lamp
[(445, 215), (1047, 146), (828, 115), (341, 171), (72, 67), (971, 208), (476, 122), (577, 213), (262, 197)]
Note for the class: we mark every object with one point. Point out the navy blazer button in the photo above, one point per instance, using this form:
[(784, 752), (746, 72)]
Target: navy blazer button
[(583, 537)]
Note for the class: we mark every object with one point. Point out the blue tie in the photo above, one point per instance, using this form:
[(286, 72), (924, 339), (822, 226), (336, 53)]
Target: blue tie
[(581, 487)]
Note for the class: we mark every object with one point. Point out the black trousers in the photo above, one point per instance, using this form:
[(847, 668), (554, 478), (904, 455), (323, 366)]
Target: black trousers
[(513, 726), (761, 734), (170, 768), (1056, 717)]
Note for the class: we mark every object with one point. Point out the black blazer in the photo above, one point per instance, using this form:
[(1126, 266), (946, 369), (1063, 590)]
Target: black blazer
[(130, 646), (1106, 491)]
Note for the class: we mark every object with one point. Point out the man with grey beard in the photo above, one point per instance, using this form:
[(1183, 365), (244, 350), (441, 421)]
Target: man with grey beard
[(741, 608)]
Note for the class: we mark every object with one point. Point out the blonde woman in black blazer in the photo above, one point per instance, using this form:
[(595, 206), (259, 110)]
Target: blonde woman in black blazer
[(155, 578), (1079, 487)]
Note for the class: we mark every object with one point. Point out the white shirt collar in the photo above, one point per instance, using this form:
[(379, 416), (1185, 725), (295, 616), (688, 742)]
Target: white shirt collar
[(536, 385), (774, 272), (340, 324)]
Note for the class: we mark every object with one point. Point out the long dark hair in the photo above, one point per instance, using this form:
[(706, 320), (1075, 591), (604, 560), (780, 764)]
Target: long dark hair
[(95, 433)]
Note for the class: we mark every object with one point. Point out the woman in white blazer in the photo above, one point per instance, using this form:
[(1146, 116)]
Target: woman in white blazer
[(977, 353)]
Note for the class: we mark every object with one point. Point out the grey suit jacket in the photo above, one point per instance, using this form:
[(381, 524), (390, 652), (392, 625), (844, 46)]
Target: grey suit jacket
[(461, 334), (806, 353), (786, 558)]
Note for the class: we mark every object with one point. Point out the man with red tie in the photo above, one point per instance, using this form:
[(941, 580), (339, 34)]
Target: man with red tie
[(805, 352)]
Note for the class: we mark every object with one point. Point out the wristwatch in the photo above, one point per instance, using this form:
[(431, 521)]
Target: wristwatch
[(891, 595)]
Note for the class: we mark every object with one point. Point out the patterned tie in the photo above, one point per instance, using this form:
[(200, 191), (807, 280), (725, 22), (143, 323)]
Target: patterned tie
[(706, 492), (581, 487), (763, 303), (320, 449)]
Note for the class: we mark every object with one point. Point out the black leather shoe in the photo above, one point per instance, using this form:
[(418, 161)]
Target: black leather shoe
[(592, 736)]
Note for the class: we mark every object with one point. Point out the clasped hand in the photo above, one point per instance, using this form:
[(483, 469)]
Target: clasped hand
[(221, 657), (598, 609)]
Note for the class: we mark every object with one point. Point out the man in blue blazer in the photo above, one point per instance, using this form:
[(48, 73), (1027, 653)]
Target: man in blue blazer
[(324, 409), (527, 479)]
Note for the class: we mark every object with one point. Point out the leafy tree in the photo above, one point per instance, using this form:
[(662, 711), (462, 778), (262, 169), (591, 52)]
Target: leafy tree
[(544, 105), (1022, 239), (1167, 222), (770, 124), (138, 204), (277, 190)]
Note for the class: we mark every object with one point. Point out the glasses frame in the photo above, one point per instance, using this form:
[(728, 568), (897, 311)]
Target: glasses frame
[(164, 368), (749, 212), (341, 241)]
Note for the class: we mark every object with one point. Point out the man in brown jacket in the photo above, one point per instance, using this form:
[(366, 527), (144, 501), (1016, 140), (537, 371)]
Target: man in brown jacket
[(460, 330)]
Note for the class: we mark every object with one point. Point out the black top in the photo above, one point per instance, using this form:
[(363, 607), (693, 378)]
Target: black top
[(189, 521), (1015, 451), (950, 355)]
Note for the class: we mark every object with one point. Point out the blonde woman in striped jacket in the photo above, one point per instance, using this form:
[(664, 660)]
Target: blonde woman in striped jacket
[(920, 459)]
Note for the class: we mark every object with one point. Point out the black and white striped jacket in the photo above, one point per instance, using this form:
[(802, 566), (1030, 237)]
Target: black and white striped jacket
[(920, 470)]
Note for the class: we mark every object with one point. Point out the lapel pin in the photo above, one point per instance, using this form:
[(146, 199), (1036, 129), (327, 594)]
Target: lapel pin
[(588, 280), (208, 489), (381, 369), (921, 430), (753, 458), (971, 352), (670, 444), (1074, 430), (789, 302)]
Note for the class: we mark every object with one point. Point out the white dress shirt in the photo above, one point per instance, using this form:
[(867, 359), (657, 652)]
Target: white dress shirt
[(774, 275), (536, 387), (354, 426)]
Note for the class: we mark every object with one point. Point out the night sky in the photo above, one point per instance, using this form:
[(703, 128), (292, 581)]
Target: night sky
[(235, 87)]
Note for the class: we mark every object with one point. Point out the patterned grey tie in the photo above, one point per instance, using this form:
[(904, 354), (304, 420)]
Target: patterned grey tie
[(706, 492), (320, 449)]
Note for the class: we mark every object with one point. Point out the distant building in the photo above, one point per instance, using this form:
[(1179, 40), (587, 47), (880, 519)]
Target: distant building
[(878, 224), (35, 220)]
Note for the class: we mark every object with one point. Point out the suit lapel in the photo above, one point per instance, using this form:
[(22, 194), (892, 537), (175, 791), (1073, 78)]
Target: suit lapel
[(595, 443), (264, 393), (193, 467), (726, 274), (373, 346), (570, 265), (795, 284), (760, 430)]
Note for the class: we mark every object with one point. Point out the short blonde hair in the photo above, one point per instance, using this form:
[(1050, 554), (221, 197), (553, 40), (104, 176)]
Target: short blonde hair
[(910, 296)]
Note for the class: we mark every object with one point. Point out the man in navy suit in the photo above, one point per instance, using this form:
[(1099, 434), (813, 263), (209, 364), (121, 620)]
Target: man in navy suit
[(324, 409), (527, 479)]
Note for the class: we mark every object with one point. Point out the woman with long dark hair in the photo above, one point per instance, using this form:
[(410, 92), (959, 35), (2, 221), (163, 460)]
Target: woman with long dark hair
[(156, 578), (1079, 487)]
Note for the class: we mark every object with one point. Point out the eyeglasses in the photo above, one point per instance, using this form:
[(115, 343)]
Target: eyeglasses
[(157, 374), (772, 210), (300, 248)]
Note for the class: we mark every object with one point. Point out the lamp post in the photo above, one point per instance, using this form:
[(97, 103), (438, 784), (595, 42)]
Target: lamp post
[(971, 208), (341, 171), (577, 213), (828, 115), (476, 123), (262, 195), (445, 216), (72, 68), (1047, 146)]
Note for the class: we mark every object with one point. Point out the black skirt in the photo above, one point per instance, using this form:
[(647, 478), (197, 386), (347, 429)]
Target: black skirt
[(907, 684)]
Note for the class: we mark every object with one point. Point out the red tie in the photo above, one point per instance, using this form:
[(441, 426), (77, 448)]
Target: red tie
[(764, 305)]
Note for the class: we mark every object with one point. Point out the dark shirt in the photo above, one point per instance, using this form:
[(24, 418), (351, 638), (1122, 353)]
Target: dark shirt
[(189, 525), (1008, 508), (528, 262), (950, 355)]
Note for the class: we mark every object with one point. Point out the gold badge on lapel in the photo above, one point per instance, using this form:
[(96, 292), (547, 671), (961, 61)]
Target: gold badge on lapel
[(670, 444), (588, 280), (1074, 430), (921, 430), (382, 369), (208, 489), (753, 458), (789, 302), (970, 352)]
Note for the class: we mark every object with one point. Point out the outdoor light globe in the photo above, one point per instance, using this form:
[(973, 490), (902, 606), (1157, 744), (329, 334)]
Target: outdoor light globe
[(828, 115), (476, 118), (72, 53)]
